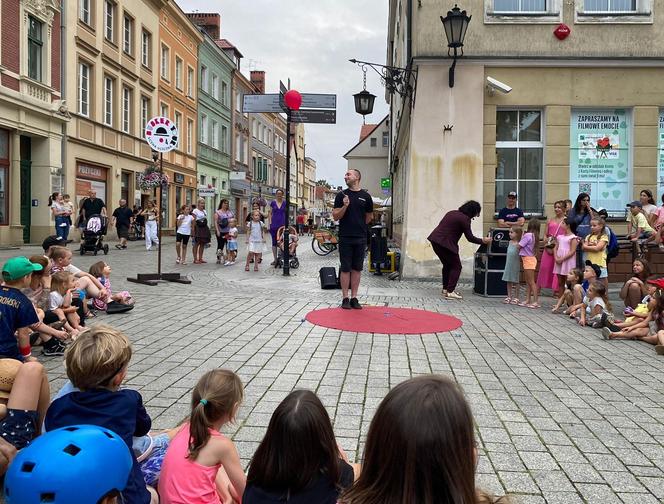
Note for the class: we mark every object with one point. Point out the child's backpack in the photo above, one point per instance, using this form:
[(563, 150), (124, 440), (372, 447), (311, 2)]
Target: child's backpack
[(612, 249)]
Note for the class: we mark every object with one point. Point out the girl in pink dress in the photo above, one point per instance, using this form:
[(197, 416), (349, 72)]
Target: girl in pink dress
[(546, 278), (565, 252)]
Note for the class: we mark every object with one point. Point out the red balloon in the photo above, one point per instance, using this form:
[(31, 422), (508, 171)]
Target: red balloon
[(293, 99)]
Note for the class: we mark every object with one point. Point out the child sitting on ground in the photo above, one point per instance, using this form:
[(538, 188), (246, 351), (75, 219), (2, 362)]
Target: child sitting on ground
[(201, 464), (573, 293), (97, 364), (60, 302), (596, 306), (102, 272), (634, 315), (231, 242), (591, 273), (646, 329), (96, 475), (298, 459)]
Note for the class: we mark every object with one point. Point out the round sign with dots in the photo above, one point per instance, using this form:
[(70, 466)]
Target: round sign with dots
[(161, 134)]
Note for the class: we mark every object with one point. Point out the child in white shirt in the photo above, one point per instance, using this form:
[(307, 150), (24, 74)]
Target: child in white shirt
[(231, 242), (183, 233)]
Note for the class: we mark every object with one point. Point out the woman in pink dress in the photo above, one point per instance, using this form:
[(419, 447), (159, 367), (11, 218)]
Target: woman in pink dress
[(546, 279)]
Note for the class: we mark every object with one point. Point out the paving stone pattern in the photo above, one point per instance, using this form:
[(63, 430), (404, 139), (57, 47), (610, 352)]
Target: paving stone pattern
[(562, 415)]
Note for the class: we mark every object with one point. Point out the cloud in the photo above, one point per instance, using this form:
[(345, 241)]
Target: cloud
[(311, 42)]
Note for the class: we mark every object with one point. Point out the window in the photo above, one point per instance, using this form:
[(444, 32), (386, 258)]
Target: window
[(204, 129), (519, 6), (190, 82), (146, 48), (202, 179), (128, 35), (609, 6), (215, 134), (238, 146), (386, 138), (215, 87), (178, 73), (373, 141), (190, 135), (145, 113), (108, 101), (126, 109), (204, 78), (519, 156), (254, 129), (109, 13), (165, 55), (35, 45), (178, 125), (163, 110), (84, 89), (224, 93), (84, 11), (238, 102), (224, 139)]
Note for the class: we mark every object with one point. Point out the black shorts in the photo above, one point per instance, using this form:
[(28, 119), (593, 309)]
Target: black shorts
[(19, 427), (351, 254), (123, 230), (181, 238)]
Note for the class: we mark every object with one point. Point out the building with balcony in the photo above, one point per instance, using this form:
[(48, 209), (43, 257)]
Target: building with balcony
[(370, 156)]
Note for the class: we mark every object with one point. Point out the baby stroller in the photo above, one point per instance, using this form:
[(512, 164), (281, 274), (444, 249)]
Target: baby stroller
[(293, 261), (93, 235)]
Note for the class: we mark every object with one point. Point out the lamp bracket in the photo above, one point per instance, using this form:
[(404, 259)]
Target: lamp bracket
[(447, 127), (395, 79)]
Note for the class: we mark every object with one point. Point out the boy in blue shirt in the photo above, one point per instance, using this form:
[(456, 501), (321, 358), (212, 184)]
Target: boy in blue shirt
[(97, 364)]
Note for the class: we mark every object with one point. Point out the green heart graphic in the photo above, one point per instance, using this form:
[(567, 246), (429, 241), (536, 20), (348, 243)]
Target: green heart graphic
[(623, 125), (616, 132), (605, 194), (621, 174), (587, 161), (616, 193), (620, 164), (609, 183)]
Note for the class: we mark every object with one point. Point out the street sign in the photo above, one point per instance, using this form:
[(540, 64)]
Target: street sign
[(207, 192), (262, 103), (315, 100), (237, 175), (161, 134), (314, 116), (282, 88), (385, 183)]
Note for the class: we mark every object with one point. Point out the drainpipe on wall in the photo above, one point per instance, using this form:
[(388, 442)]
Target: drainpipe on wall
[(63, 95)]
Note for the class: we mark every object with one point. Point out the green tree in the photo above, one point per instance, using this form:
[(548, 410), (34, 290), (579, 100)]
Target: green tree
[(323, 183)]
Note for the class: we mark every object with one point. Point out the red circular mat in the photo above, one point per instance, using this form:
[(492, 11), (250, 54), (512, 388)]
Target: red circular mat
[(384, 320)]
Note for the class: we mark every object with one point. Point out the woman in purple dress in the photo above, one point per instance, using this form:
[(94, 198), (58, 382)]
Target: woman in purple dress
[(277, 217), (546, 279)]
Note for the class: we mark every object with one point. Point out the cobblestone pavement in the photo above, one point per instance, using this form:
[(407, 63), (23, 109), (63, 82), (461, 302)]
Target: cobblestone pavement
[(562, 415)]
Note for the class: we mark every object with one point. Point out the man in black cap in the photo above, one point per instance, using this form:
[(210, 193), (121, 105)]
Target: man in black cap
[(511, 215)]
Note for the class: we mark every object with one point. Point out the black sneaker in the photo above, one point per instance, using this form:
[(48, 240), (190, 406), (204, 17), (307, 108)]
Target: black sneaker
[(355, 304), (345, 304), (54, 348), (607, 323)]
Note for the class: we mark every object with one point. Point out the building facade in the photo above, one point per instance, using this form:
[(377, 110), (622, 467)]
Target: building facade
[(111, 90), (33, 116), (577, 118), (370, 156), (309, 183), (241, 164), (298, 154), (178, 44)]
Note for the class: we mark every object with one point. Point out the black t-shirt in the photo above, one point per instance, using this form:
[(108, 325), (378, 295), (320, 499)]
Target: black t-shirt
[(510, 214), (92, 206), (321, 491), (353, 224), (123, 216)]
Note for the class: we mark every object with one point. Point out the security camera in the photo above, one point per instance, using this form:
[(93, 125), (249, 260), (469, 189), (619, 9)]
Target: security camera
[(496, 85)]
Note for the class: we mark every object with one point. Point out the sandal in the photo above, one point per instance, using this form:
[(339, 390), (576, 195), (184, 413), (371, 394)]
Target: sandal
[(507, 300), (534, 305), (522, 303), (246, 268), (515, 301), (255, 268)]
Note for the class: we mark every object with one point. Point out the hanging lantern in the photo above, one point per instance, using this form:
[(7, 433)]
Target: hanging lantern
[(364, 102)]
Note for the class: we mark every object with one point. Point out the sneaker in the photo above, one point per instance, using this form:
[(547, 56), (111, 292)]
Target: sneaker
[(227, 263), (355, 304), (34, 339), (345, 304), (453, 295), (54, 349), (607, 323), (606, 333)]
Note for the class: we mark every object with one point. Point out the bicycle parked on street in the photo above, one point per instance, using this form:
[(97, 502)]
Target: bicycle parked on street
[(324, 242)]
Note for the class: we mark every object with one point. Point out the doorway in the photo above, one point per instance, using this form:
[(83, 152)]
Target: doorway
[(26, 184)]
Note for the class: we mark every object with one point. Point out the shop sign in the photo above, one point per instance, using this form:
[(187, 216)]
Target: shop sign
[(178, 178), (660, 158), (161, 134), (207, 192), (600, 158), (385, 183), (91, 172)]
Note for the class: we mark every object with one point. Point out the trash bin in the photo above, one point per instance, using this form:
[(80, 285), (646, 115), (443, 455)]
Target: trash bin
[(489, 265), (378, 248)]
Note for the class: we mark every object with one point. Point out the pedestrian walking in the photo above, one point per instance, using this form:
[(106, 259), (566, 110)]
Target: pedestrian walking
[(222, 217), (61, 214), (93, 205), (201, 231), (151, 214), (445, 242), (277, 218), (353, 208), (121, 219), (183, 232)]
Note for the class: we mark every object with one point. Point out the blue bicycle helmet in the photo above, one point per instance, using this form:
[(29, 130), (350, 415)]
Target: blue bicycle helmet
[(80, 464)]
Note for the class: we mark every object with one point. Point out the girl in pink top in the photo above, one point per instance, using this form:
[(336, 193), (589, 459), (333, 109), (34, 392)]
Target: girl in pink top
[(202, 465)]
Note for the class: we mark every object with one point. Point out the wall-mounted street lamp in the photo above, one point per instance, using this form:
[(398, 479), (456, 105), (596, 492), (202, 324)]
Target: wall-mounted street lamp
[(455, 25), (364, 100)]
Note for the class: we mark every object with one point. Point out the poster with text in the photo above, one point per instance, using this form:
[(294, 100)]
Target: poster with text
[(600, 158), (660, 159)]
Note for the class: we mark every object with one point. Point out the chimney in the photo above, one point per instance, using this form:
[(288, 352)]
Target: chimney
[(209, 22), (257, 78)]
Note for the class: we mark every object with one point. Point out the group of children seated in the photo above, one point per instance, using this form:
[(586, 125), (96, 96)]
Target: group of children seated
[(585, 300), (98, 447)]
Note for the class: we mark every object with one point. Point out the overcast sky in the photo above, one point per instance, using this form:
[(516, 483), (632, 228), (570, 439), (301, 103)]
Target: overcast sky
[(311, 41)]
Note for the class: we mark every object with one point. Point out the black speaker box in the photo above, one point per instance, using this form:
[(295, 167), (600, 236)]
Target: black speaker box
[(329, 278)]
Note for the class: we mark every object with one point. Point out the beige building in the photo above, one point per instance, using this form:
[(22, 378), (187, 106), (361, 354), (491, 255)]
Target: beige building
[(583, 113), (111, 88), (309, 195), (370, 156), (298, 154)]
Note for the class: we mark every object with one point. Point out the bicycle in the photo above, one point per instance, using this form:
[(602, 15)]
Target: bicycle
[(324, 242)]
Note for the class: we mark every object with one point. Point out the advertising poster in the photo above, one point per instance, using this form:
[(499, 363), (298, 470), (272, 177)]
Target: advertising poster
[(600, 158), (660, 159)]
